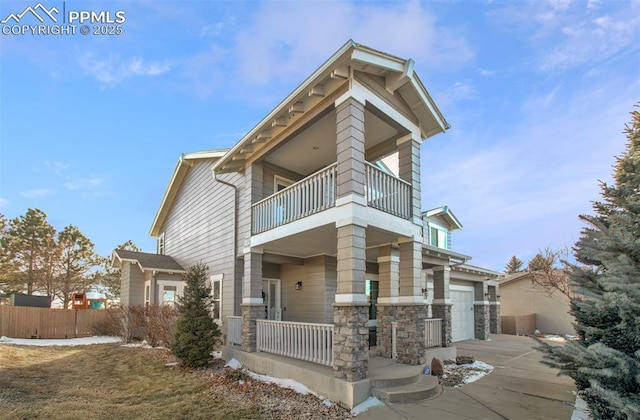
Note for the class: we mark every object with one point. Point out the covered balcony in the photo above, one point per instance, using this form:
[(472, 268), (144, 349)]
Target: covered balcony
[(317, 192)]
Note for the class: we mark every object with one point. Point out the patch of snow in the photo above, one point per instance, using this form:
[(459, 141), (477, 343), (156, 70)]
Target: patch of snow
[(59, 341), (143, 345), (580, 410), (284, 383), (234, 364), (365, 405), (328, 403), (171, 364), (480, 365), (217, 354)]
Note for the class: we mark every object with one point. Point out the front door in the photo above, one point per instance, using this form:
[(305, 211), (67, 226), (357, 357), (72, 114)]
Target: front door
[(271, 298)]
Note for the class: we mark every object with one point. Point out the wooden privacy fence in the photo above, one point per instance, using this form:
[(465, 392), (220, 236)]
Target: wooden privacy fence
[(27, 322)]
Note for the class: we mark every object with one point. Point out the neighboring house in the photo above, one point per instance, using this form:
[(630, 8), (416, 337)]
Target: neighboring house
[(147, 279), (520, 296), (312, 240)]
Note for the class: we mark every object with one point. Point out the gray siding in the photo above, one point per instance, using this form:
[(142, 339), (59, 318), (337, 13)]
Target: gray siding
[(199, 227), (313, 302), (134, 278)]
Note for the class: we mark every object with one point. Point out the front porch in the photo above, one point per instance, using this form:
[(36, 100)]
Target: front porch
[(305, 352), (384, 374)]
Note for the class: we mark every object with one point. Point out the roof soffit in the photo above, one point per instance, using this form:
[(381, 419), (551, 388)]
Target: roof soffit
[(334, 74)]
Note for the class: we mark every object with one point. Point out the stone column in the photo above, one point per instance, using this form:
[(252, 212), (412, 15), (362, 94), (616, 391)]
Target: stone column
[(351, 309), (388, 280), (481, 311), (441, 306), (350, 341), (494, 311), (252, 302), (411, 310)]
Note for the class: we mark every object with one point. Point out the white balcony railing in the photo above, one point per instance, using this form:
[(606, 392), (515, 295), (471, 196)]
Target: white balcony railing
[(299, 340), (386, 192), (432, 332), (234, 330), (311, 195)]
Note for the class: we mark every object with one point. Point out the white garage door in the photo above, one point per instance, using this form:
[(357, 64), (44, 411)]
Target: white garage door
[(462, 313)]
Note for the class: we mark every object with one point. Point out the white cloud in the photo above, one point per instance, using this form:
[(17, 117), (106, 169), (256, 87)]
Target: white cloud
[(113, 69), (271, 48), (4, 202), (85, 184), (57, 167), (37, 193)]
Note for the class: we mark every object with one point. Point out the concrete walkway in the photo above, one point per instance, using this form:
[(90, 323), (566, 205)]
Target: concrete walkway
[(520, 387)]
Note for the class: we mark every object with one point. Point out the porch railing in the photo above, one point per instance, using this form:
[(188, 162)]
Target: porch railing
[(433, 332), (311, 195), (386, 192), (234, 329), (298, 340)]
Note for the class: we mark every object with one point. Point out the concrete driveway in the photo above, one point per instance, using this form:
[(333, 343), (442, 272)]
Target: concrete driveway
[(520, 387)]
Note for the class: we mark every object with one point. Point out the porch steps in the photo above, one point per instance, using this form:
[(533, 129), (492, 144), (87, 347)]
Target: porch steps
[(422, 388), (397, 383)]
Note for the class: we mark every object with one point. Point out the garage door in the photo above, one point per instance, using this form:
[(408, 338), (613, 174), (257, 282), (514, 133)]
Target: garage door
[(462, 313)]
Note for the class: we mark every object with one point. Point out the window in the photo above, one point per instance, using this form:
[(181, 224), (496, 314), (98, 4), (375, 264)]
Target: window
[(438, 237), (280, 183), (161, 244), (216, 296), (147, 293), (169, 295)]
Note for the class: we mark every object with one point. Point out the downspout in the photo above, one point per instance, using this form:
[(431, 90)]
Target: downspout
[(235, 219)]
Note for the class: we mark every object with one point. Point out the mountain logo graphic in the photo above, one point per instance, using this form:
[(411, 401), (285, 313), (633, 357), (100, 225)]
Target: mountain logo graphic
[(34, 11)]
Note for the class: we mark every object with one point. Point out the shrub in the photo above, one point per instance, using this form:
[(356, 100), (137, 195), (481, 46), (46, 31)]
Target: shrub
[(196, 333)]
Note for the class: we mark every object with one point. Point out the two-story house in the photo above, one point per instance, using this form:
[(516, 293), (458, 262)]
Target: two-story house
[(312, 229)]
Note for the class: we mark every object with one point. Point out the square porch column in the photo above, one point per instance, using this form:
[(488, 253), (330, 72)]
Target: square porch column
[(350, 151), (351, 309), (252, 302), (389, 283), (409, 170), (481, 311), (441, 306), (411, 310)]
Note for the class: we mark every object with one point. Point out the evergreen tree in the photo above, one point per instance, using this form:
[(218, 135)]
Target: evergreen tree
[(109, 277), (76, 257), (514, 265), (196, 333), (24, 247), (605, 359)]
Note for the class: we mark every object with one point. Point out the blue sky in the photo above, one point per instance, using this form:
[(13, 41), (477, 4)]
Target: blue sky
[(537, 93)]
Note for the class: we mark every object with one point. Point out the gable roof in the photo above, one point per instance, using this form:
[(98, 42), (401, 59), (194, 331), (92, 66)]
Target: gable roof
[(445, 213), (146, 261), (512, 278), (398, 74), (185, 162)]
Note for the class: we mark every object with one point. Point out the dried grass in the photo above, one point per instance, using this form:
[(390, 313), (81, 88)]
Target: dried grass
[(103, 382)]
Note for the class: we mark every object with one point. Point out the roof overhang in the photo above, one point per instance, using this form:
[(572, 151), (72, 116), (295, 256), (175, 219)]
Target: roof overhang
[(399, 76), (117, 260), (455, 257), (471, 269), (447, 214), (185, 162)]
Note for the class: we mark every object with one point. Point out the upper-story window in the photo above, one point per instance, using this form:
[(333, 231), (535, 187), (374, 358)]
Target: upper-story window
[(161, 244), (438, 237), (280, 183)]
